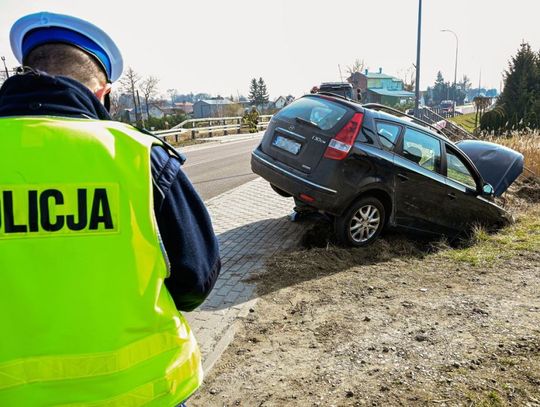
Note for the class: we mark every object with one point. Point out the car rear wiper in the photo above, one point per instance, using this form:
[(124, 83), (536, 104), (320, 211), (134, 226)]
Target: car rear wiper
[(308, 122)]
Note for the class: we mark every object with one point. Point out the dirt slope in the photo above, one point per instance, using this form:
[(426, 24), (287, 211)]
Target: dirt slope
[(399, 323)]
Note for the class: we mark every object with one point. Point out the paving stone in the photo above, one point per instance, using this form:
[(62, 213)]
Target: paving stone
[(251, 224)]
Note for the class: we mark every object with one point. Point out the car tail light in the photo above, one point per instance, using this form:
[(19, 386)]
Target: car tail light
[(339, 146)]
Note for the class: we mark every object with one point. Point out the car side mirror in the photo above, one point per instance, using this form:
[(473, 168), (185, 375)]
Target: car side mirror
[(487, 190)]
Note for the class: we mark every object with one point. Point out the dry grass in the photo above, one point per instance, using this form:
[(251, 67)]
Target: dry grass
[(527, 143)]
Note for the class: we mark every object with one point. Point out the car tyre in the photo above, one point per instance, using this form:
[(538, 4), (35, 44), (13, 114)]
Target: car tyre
[(280, 192), (362, 223)]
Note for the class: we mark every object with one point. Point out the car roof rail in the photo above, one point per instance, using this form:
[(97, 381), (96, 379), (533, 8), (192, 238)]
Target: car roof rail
[(399, 113)]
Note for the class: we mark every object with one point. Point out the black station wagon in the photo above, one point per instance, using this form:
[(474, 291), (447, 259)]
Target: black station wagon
[(368, 169)]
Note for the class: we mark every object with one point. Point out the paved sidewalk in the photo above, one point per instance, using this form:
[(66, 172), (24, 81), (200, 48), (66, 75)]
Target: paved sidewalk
[(251, 223)]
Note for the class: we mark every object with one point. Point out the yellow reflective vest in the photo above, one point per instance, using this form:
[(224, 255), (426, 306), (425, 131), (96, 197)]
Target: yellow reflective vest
[(85, 317)]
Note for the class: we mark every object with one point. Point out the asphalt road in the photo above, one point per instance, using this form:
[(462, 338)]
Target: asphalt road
[(217, 168)]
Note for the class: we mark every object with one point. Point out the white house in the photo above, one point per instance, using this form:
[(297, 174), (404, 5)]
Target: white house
[(280, 102)]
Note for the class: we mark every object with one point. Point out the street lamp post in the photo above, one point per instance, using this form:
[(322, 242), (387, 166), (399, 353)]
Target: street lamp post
[(417, 87), (455, 68)]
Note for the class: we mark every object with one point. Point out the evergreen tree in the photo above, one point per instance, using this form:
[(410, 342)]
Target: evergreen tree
[(520, 98), (536, 102), (253, 92), (440, 90), (465, 84), (262, 93)]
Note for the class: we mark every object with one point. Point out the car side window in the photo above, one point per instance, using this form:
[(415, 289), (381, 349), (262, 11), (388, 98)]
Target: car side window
[(422, 149), (458, 171), (388, 134)]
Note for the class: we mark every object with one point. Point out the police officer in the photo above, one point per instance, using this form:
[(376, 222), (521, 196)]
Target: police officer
[(102, 236)]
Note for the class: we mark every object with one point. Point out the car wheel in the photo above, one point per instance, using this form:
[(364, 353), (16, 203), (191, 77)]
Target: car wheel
[(280, 192), (362, 223)]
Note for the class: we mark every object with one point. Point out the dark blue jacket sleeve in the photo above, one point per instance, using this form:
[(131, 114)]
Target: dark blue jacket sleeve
[(186, 231)]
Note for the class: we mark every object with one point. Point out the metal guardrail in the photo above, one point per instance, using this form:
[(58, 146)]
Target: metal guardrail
[(429, 118), (449, 129), (418, 120), (192, 129)]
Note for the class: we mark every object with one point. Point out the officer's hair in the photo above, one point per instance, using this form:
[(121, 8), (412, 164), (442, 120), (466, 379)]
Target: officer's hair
[(67, 60)]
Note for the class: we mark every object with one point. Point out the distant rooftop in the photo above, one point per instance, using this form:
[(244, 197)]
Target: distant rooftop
[(377, 75), (217, 101), (396, 93)]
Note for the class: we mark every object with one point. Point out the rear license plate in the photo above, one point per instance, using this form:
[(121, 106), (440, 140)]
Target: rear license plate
[(287, 144)]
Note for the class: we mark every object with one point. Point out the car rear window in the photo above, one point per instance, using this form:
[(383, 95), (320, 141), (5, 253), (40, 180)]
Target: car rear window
[(321, 112)]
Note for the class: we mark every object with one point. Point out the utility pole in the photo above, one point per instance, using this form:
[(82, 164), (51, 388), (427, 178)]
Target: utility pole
[(479, 81), (455, 68), (417, 90)]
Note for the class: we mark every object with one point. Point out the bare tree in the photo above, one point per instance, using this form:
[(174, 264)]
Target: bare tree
[(118, 105), (408, 76), (130, 81), (149, 90), (357, 66), (114, 110), (172, 94)]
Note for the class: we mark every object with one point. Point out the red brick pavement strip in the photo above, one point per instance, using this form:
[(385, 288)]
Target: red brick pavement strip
[(251, 223)]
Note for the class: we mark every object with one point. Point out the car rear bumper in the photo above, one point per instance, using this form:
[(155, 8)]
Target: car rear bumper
[(289, 180)]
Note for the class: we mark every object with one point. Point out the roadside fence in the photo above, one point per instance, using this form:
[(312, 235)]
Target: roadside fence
[(207, 127)]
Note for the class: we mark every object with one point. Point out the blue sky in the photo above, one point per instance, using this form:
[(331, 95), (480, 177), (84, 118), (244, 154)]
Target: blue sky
[(216, 46)]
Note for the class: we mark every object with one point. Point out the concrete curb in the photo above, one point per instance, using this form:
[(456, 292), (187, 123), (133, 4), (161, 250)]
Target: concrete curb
[(227, 337)]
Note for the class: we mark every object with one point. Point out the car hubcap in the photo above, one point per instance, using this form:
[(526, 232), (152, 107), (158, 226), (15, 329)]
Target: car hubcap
[(365, 223)]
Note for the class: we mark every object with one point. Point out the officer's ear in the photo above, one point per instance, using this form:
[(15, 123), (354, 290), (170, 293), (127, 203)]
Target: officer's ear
[(103, 92)]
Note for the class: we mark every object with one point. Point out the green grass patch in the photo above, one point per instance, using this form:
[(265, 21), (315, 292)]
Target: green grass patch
[(485, 248), (492, 399), (465, 120)]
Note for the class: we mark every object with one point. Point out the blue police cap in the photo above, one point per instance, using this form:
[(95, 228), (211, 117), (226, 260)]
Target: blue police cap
[(44, 28)]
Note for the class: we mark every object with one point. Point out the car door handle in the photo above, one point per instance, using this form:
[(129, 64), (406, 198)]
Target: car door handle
[(451, 195), (403, 177)]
